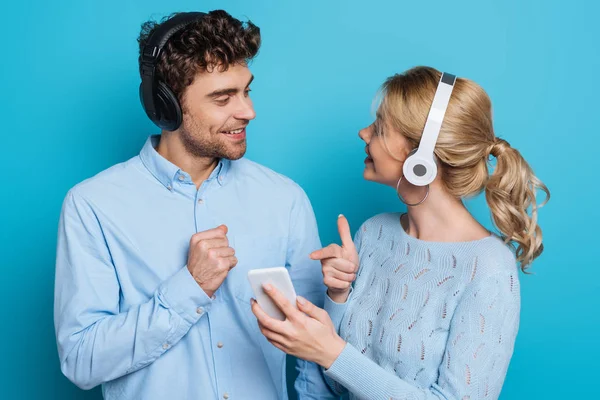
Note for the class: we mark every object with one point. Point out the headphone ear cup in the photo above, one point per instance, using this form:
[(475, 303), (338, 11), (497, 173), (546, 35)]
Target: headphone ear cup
[(168, 107), (419, 170), (141, 93)]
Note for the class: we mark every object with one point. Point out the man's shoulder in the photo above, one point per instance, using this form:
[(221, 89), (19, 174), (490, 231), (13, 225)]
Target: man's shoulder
[(252, 172), (113, 178)]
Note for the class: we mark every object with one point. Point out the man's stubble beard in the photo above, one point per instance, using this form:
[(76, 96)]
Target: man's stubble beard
[(199, 142)]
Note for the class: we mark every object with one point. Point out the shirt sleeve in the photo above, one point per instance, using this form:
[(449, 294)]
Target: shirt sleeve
[(96, 342)]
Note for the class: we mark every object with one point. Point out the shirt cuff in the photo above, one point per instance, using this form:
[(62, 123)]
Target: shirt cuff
[(183, 294), (335, 310)]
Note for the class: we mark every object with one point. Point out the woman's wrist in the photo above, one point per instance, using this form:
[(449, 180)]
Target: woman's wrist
[(331, 352)]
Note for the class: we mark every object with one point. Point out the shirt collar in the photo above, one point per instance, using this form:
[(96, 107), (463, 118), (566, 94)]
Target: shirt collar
[(166, 172)]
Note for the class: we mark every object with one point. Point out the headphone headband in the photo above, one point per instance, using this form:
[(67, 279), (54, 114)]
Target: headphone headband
[(420, 168), (436, 113), (149, 57), (161, 35)]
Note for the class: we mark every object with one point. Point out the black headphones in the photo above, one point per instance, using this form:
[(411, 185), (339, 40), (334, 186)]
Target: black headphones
[(158, 100)]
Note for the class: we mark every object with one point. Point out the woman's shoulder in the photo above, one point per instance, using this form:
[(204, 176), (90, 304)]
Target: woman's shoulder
[(385, 221), (493, 258)]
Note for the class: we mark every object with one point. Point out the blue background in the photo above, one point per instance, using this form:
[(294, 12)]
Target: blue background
[(70, 109)]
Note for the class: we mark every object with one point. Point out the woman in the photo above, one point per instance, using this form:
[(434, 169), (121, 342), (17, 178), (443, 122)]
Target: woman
[(434, 311)]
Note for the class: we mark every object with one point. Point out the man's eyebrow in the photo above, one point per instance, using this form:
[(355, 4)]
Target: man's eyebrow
[(227, 91)]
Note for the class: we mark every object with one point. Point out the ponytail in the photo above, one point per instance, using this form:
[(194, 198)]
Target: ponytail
[(510, 193)]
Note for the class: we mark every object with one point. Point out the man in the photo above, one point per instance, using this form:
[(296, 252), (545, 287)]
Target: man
[(152, 299)]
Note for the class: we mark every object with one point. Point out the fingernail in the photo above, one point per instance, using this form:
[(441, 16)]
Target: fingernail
[(267, 287), (252, 301), (301, 300), (340, 216)]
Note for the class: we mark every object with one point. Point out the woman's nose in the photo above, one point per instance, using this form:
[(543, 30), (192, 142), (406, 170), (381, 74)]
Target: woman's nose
[(365, 133)]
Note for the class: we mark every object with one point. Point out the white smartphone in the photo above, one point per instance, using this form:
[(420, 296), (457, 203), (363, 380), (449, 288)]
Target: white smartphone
[(279, 278)]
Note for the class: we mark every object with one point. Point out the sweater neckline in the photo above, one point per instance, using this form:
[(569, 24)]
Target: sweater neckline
[(422, 242)]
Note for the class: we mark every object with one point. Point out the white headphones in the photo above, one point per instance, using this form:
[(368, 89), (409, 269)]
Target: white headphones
[(420, 168)]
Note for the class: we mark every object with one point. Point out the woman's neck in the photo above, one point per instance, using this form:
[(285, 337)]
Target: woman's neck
[(442, 218)]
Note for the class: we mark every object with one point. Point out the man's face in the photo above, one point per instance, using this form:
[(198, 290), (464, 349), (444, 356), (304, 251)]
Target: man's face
[(216, 110)]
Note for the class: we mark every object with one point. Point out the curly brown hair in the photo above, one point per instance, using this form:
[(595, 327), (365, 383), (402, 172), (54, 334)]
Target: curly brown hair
[(216, 40)]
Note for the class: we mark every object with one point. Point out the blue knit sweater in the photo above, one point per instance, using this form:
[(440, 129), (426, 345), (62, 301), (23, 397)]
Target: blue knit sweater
[(426, 320)]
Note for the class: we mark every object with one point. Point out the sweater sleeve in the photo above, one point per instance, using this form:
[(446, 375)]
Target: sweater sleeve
[(337, 311), (479, 348)]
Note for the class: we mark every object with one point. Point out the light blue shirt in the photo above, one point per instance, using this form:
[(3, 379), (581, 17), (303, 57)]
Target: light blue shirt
[(128, 314)]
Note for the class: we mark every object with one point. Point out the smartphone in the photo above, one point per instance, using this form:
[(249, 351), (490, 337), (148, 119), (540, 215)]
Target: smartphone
[(279, 278)]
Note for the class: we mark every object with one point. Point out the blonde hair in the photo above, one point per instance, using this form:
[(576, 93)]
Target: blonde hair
[(463, 151)]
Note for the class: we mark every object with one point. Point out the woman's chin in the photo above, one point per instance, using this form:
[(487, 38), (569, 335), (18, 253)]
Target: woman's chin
[(370, 175)]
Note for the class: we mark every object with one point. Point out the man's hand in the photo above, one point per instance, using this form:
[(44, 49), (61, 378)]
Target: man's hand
[(210, 258)]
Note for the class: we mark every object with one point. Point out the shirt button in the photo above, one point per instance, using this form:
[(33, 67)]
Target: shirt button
[(181, 177), (166, 346), (225, 395), (200, 201), (169, 187), (199, 310), (214, 297), (220, 345)]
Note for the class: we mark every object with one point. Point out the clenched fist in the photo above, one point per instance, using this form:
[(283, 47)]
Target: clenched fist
[(210, 258)]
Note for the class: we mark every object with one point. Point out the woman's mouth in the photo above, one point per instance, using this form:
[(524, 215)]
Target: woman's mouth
[(369, 159)]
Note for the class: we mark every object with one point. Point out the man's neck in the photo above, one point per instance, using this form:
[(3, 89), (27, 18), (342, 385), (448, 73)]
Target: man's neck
[(199, 168)]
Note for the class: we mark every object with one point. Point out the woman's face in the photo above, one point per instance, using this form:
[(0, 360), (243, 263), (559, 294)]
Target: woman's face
[(380, 166)]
